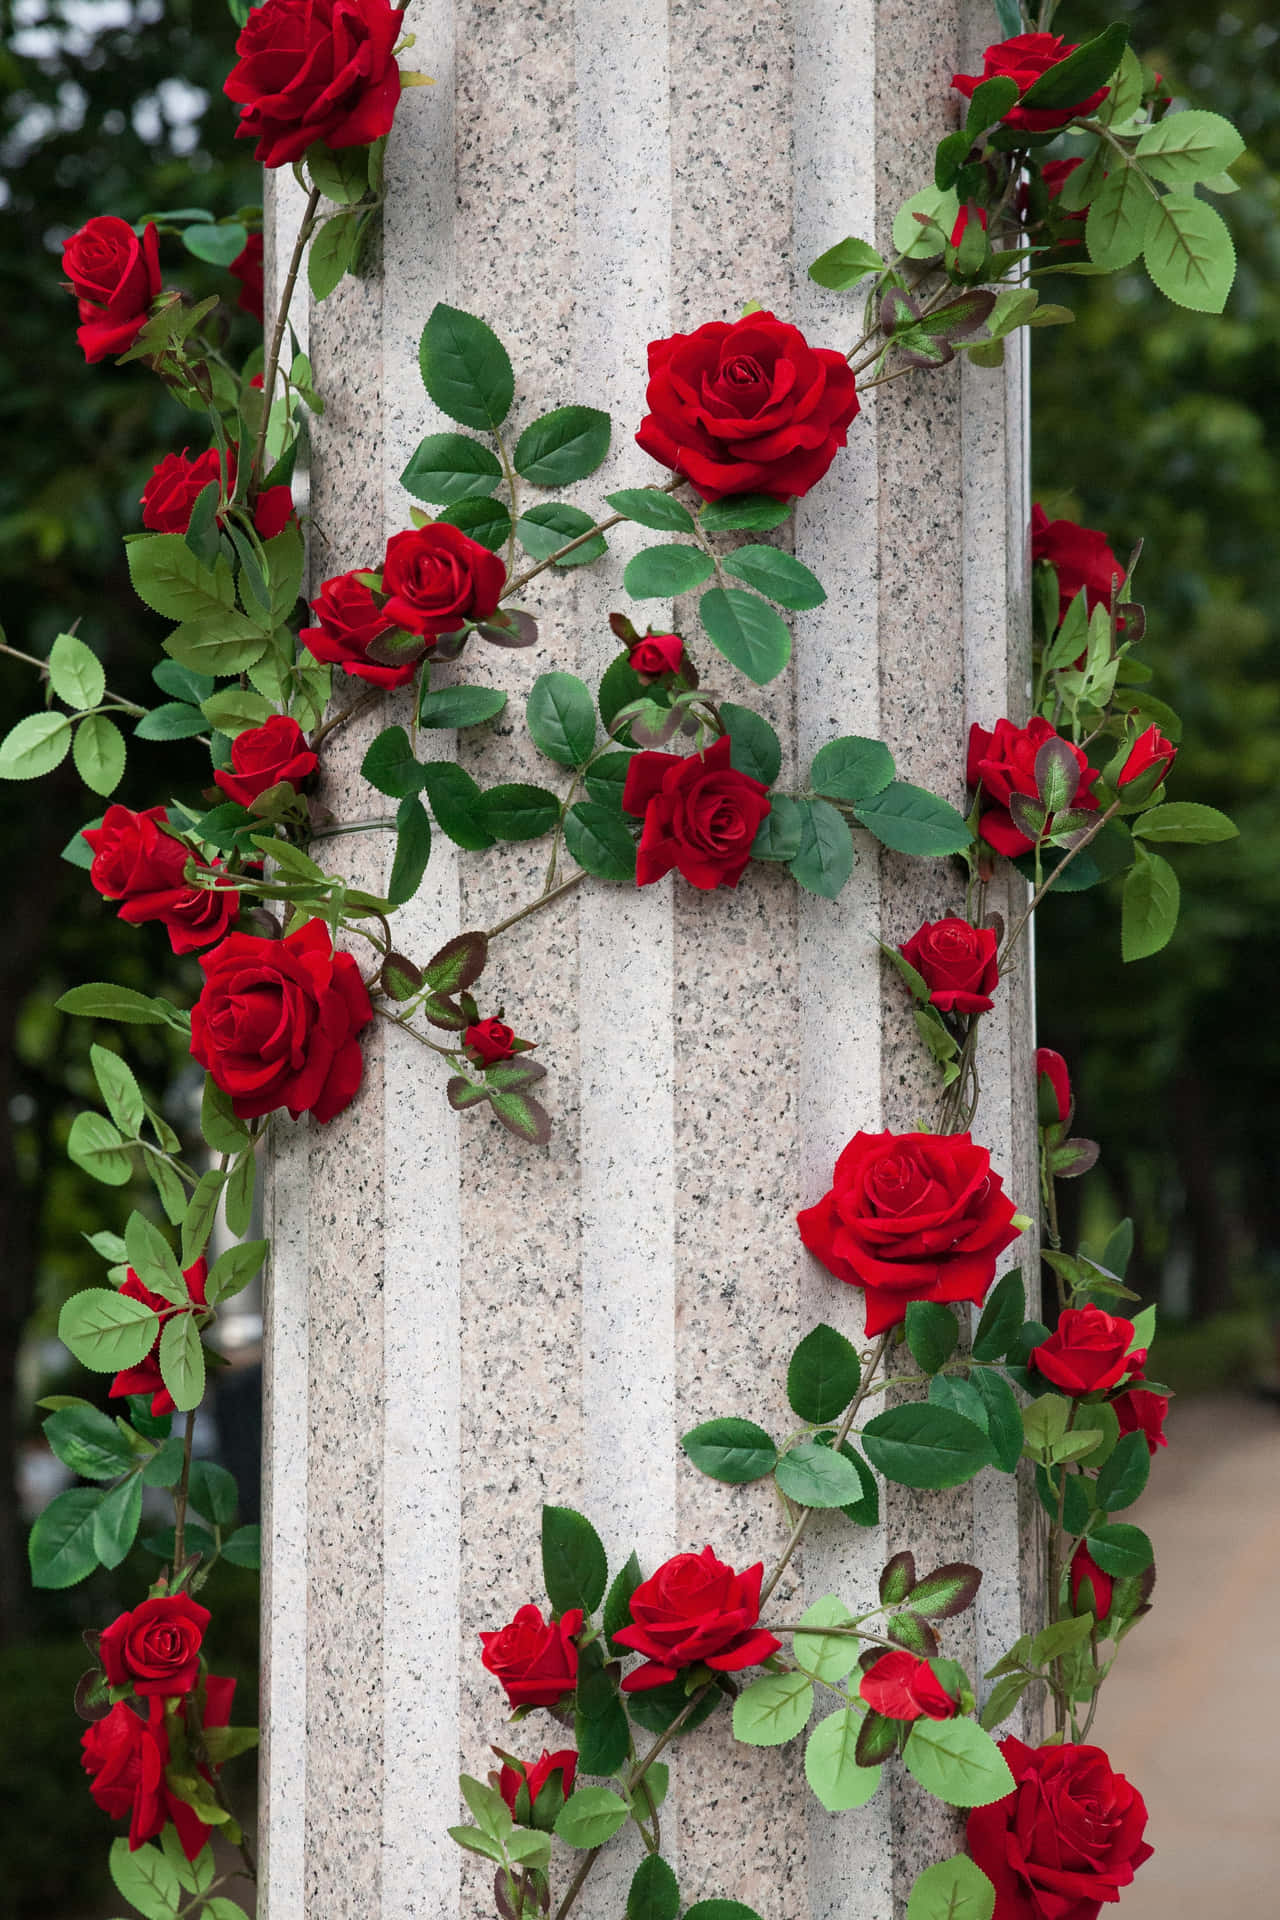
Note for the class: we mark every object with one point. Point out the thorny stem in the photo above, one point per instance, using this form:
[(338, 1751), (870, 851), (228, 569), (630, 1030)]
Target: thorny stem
[(277, 335)]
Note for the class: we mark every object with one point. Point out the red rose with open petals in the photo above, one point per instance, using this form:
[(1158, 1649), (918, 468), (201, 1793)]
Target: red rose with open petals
[(695, 1611), (1141, 1411), (747, 406), (176, 484), (261, 757), (903, 1687), (700, 815), (535, 1794), (1024, 58), (247, 269), (125, 1758), (137, 862), (436, 577), (348, 619), (1091, 1588), (1088, 1352), (155, 1648), (1004, 763), (957, 963), (1150, 753), (145, 1375), (311, 70), (276, 1022), (535, 1659), (911, 1216), (115, 276), (1068, 1837), (1080, 556)]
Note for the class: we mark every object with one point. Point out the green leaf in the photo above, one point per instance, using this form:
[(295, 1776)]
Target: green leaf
[(213, 1492), (390, 764), (733, 1450), (851, 769), (781, 832), (561, 718), (60, 1548), (88, 1442), (990, 102), (332, 251), (1059, 1638), (911, 820), (827, 1657), (76, 673), (448, 467), (475, 1842), (1186, 147), (620, 684), (103, 1000), (244, 1547), (182, 1361), (845, 264), (617, 1606), (174, 721), (720, 1910), (1071, 80), (1116, 228), (97, 1146), (932, 1333), (924, 1446), (772, 1710), (600, 841), (146, 1879), (342, 176), (823, 1375), (778, 575), (957, 1761), (164, 1468), (754, 747), (1004, 1417), (201, 1211), (519, 812), (816, 1476), (457, 803), (952, 1889), (484, 520), (655, 1892), (1001, 1317), (238, 1204), (169, 579), (825, 859), (107, 1331), (747, 631), (830, 1767), (465, 368), (152, 1259), (222, 643), (36, 745), (1186, 821), (657, 1707), (236, 709), (574, 1568), (1124, 1474), (120, 1091), (544, 529), (115, 1521), (564, 445), (919, 242), (413, 850), (219, 244), (1003, 1698), (754, 512), (650, 507), (657, 573), (1189, 252), (1121, 1549), (1149, 909), (590, 1816), (946, 1592), (603, 1740)]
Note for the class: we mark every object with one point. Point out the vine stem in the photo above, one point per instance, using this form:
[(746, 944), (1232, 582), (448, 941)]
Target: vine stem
[(117, 701), (340, 719), (1048, 885), (277, 335), (601, 526), (180, 1497), (535, 906)]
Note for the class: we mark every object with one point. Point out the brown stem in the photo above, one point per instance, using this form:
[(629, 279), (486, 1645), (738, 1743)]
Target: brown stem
[(180, 1499), (1052, 880), (341, 719), (601, 526), (446, 1053), (534, 906), (277, 335)]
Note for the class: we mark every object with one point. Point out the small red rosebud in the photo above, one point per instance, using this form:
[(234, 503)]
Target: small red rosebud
[(1086, 1574), (1053, 1086), (1149, 751), (491, 1040), (658, 653), (535, 1794), (967, 213)]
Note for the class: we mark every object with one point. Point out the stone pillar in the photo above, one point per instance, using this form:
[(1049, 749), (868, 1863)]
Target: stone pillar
[(461, 1327)]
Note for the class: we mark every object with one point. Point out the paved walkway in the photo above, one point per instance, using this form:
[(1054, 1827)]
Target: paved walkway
[(1191, 1712)]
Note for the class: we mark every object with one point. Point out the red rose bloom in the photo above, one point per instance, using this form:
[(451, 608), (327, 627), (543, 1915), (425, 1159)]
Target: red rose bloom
[(1067, 1838), (435, 577), (695, 1611), (1053, 1086), (1150, 750), (311, 70), (1024, 58), (911, 1216), (903, 1687), (1085, 1574), (1140, 1411), (1080, 556), (700, 815), (657, 653), (125, 1758), (115, 276), (348, 619), (957, 963), (1088, 1352), (262, 757), (536, 1660), (276, 1022), (247, 269), (155, 1649), (491, 1040), (138, 863), (177, 483), (145, 1376), (747, 406), (1004, 763), (535, 1795)]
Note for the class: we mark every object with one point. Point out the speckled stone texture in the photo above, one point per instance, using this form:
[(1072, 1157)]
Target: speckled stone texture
[(461, 1328)]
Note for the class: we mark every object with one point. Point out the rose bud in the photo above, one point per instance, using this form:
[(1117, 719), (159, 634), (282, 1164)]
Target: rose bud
[(967, 213), (1141, 1411), (903, 1687), (1150, 754), (695, 1611), (115, 276), (536, 1660), (155, 1649), (490, 1041), (1089, 1352), (1091, 1588), (535, 1795), (262, 757), (1067, 1839), (700, 815), (957, 963), (657, 653), (1053, 1088)]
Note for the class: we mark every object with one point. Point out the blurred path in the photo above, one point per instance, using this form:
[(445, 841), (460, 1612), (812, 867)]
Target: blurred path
[(1191, 1712)]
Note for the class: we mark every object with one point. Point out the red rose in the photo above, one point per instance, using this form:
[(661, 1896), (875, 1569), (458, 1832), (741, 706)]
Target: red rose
[(535, 1795), (1080, 556), (138, 863), (247, 269), (1004, 763), (1067, 1838), (145, 1376), (262, 757), (1088, 1352), (902, 1687), (535, 1659), (1149, 751), (957, 963), (276, 1022), (700, 815), (348, 618), (491, 1040), (747, 406), (176, 484), (1140, 1411), (911, 1216), (125, 1758), (435, 577), (1024, 58), (1053, 1087), (1097, 1586), (313, 70), (695, 1611), (115, 276), (657, 653), (155, 1649)]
